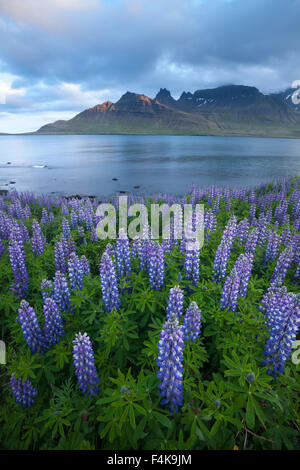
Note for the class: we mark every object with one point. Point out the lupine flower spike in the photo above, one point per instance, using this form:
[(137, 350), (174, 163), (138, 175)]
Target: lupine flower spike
[(85, 369)]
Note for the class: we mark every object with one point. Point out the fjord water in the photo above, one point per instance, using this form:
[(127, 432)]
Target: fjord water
[(87, 164)]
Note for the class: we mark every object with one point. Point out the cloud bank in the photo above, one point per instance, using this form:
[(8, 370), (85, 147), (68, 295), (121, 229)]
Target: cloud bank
[(60, 56)]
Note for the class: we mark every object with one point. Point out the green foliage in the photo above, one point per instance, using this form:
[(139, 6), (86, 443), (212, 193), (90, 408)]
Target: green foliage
[(228, 397)]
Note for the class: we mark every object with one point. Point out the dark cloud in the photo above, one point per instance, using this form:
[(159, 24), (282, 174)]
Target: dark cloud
[(141, 45)]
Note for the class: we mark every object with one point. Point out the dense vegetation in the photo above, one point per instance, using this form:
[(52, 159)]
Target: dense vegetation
[(103, 390)]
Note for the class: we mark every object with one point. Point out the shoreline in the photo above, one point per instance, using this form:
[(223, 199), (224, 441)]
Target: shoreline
[(253, 136)]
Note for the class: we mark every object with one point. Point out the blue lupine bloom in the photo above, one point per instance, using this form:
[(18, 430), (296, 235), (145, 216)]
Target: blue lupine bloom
[(24, 232), (53, 326), (93, 236), (169, 361), (123, 255), (220, 261), (32, 331), (18, 265), (109, 285), (223, 251), (175, 302), (192, 322), (84, 363), (242, 231), (45, 217), (156, 267), (46, 289), (236, 284), (38, 240), (284, 262), (62, 251), (251, 243), (85, 265), (64, 209), (60, 257), (282, 315), (192, 265), (77, 270), (74, 219), (61, 292), (252, 213), (66, 228), (272, 246), (24, 393)]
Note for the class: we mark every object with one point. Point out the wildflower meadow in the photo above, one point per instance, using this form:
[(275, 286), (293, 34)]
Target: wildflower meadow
[(148, 344)]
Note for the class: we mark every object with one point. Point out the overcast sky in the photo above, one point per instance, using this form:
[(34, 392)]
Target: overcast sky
[(58, 57)]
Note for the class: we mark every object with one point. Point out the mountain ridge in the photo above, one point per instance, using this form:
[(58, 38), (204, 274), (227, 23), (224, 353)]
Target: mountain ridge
[(226, 110)]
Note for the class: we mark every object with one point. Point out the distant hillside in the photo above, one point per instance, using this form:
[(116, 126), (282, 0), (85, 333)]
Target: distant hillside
[(227, 110)]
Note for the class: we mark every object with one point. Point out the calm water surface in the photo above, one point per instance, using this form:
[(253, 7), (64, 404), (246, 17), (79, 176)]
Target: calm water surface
[(87, 164)]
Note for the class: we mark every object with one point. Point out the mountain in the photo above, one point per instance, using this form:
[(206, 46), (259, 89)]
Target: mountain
[(286, 97), (226, 110)]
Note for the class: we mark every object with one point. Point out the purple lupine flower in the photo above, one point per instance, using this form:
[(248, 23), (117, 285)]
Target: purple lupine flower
[(77, 269), (61, 292), (18, 265), (297, 262), (135, 248), (45, 217), (74, 219), (269, 215), (228, 205), (93, 236), (220, 261), (89, 221), (31, 329), (62, 251), (60, 257), (64, 209), (84, 363), (282, 315), (156, 267), (38, 240), (175, 302), (236, 284), (242, 231), (66, 228), (123, 255), (272, 246), (230, 294), (85, 265), (27, 212), (109, 285), (251, 244), (284, 262), (46, 289), (252, 213), (25, 233), (192, 265), (24, 393), (53, 327), (286, 236), (216, 205), (169, 361), (192, 322), (223, 251), (244, 265), (81, 234), (262, 230)]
